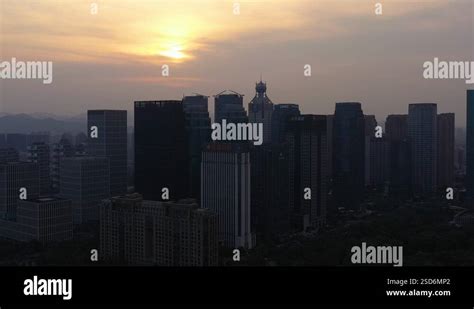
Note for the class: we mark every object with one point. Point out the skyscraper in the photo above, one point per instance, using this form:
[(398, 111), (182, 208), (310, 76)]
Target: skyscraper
[(17, 178), (370, 123), (198, 126), (63, 149), (39, 153), (161, 149), (225, 190), (307, 162), (396, 132), (422, 132), (348, 154), (281, 115), (85, 181), (140, 232), (229, 105), (110, 141), (269, 191), (445, 150), (261, 110), (470, 148)]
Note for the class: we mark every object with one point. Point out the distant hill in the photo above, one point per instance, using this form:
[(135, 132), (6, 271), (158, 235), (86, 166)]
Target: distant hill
[(24, 123)]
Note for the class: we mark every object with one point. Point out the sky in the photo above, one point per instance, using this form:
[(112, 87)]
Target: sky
[(114, 57)]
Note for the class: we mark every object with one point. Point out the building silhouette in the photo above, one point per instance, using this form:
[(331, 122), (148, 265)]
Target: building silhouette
[(161, 150), (39, 153), (470, 148), (445, 146), (229, 105), (348, 155), (422, 133), (9, 155), (261, 110), (110, 142), (46, 220), (86, 182), (225, 190), (198, 126), (60, 150), (140, 232), (281, 115), (308, 163)]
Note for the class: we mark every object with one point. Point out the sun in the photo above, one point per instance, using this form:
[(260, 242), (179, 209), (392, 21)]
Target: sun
[(174, 52)]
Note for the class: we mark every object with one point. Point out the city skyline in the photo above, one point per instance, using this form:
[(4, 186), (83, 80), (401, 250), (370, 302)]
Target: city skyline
[(205, 59)]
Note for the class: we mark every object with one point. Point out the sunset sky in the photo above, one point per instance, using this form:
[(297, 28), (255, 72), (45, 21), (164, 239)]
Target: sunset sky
[(112, 58)]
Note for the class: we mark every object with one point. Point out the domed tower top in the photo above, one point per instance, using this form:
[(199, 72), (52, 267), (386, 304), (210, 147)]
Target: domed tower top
[(261, 87)]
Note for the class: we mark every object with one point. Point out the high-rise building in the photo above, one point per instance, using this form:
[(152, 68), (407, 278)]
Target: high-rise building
[(370, 123), (307, 177), (261, 110), (396, 127), (422, 132), (139, 232), (60, 150), (445, 150), (198, 125), (39, 153), (225, 190), (18, 180), (396, 133), (9, 155), (281, 115), (470, 148), (46, 220), (161, 150), (229, 105), (348, 155), (270, 215), (110, 141), (85, 181)]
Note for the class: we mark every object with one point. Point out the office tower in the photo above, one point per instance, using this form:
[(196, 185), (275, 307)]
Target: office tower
[(306, 136), (46, 220), (225, 190), (39, 153), (9, 155), (85, 181), (110, 141), (348, 154), (18, 180), (281, 114), (139, 232), (422, 132), (63, 149), (445, 158), (396, 133), (470, 148), (396, 127), (3, 141), (270, 215), (198, 126), (379, 162), (229, 105), (329, 135), (370, 123), (161, 145), (261, 110)]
